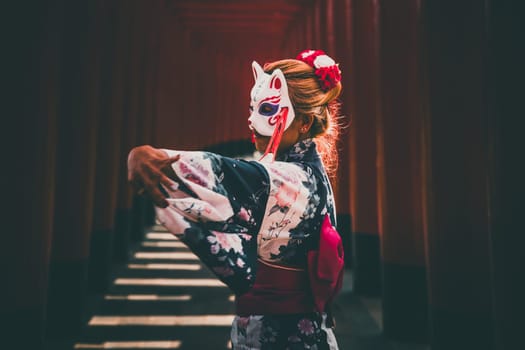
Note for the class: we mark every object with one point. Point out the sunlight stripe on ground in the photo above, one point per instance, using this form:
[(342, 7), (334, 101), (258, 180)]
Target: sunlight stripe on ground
[(185, 267), (161, 236), (166, 255), (196, 320), (164, 244), (148, 297), (179, 282), (169, 344)]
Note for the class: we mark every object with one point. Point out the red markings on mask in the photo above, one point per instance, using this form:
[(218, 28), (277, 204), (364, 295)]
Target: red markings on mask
[(275, 83)]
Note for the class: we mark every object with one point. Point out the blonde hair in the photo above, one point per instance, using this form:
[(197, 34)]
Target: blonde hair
[(308, 99)]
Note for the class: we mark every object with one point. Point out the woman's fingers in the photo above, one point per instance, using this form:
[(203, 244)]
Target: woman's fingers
[(156, 196), (148, 168), (152, 179), (173, 159), (168, 183), (168, 177)]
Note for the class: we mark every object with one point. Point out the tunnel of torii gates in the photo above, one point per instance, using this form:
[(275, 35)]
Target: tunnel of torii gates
[(427, 186)]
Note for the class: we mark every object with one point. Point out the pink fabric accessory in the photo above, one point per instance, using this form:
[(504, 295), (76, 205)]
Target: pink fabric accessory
[(326, 266), (326, 69)]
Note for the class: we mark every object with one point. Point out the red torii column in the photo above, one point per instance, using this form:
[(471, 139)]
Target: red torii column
[(29, 170), (128, 139), (173, 80), (460, 158), (339, 46), (75, 169), (156, 25), (506, 144), (400, 173), (366, 102), (142, 213), (108, 151)]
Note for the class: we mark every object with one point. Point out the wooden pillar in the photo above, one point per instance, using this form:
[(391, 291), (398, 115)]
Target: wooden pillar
[(330, 29), (400, 174), (126, 106), (141, 108), (344, 54), (318, 25), (108, 151), (458, 238), (185, 90), (227, 121), (363, 149), (29, 140), (294, 41), (506, 179), (309, 27), (75, 175), (173, 81), (152, 45)]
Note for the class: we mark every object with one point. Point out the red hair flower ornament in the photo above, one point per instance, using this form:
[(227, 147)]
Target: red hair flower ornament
[(327, 71)]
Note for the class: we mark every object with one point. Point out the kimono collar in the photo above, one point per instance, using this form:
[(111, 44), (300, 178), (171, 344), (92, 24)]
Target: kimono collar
[(302, 151)]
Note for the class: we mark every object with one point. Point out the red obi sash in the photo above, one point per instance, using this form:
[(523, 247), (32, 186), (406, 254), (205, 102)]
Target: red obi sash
[(277, 290), (283, 290)]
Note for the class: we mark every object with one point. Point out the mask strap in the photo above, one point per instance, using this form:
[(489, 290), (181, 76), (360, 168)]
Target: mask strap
[(275, 140)]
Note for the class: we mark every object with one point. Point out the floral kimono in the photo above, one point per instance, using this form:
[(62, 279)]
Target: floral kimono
[(236, 214)]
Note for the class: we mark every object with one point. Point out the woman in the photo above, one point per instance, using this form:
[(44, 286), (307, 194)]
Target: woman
[(263, 227)]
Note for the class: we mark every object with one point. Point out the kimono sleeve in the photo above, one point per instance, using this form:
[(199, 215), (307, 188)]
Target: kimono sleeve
[(218, 193)]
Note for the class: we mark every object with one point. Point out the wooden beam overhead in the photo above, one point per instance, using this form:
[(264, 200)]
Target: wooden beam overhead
[(239, 6), (225, 17)]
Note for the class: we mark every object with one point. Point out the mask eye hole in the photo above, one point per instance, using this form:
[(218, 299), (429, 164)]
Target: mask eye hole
[(268, 109)]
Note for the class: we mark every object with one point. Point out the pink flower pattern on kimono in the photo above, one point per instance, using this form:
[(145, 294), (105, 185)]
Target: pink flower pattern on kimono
[(226, 242), (196, 174), (282, 175), (240, 263), (290, 332), (306, 326), (230, 242), (285, 196), (244, 215)]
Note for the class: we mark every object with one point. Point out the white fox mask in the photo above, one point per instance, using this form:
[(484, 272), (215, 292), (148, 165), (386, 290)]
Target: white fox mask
[(269, 100)]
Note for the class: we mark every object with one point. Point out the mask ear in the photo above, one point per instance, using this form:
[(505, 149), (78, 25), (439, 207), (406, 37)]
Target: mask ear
[(257, 70), (277, 81)]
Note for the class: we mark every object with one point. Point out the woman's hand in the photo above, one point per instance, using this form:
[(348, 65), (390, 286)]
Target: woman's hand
[(149, 167)]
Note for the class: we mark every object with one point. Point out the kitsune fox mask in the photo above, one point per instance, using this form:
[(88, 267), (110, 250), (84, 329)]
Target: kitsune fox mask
[(269, 102)]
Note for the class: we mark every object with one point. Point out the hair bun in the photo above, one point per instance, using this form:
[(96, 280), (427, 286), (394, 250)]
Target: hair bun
[(326, 70)]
